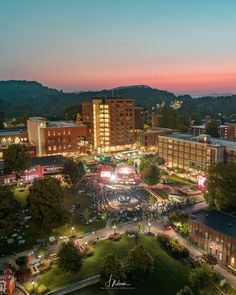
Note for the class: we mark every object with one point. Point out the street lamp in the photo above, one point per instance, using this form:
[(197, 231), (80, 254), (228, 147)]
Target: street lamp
[(33, 285), (72, 230), (149, 226), (114, 227), (86, 245)]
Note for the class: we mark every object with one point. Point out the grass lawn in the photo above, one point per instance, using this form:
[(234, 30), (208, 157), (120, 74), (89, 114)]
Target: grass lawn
[(162, 193), (169, 275), (175, 180), (71, 197), (20, 194)]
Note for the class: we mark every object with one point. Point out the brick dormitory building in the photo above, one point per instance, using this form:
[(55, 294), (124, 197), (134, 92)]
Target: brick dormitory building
[(47, 142), (195, 153), (45, 138), (215, 232)]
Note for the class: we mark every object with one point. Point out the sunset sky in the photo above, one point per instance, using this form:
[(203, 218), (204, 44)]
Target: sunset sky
[(184, 46)]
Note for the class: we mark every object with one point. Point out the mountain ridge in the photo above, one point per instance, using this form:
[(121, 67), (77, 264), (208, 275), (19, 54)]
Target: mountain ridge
[(31, 98)]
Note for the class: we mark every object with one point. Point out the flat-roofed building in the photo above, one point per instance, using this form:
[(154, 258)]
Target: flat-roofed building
[(55, 137), (148, 140), (13, 136), (197, 129), (8, 137), (214, 232), (110, 123), (228, 131), (193, 152)]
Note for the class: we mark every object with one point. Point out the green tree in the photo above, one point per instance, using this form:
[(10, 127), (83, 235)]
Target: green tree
[(112, 268), (151, 175), (185, 291), (45, 203), (171, 118), (70, 257), (71, 113), (200, 277), (16, 159), (73, 171), (139, 264), (87, 214), (196, 118), (8, 209), (209, 259), (221, 189), (22, 261), (145, 162), (212, 128), (1, 120)]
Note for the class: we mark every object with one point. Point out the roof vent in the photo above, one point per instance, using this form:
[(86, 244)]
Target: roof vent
[(204, 138)]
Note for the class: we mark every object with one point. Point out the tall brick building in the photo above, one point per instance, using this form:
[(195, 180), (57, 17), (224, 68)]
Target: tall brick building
[(110, 123), (215, 232)]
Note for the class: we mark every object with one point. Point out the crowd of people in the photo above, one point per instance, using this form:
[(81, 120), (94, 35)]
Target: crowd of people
[(103, 197)]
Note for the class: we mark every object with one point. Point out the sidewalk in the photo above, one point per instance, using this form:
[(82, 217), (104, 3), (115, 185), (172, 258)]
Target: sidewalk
[(195, 252)]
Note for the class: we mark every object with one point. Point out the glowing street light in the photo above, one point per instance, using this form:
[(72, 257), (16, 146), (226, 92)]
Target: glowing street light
[(114, 227), (33, 285), (149, 226)]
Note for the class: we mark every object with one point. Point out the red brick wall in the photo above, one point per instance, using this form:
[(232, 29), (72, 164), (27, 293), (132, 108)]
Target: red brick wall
[(59, 140), (220, 245)]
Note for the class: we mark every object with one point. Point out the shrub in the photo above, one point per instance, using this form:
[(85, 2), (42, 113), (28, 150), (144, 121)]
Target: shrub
[(45, 266), (173, 245), (70, 258), (30, 288), (115, 237), (23, 274), (42, 289), (89, 251)]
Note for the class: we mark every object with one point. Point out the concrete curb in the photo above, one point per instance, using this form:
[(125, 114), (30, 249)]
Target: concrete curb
[(75, 286)]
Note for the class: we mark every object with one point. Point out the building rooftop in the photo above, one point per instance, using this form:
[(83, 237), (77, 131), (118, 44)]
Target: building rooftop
[(37, 119), (198, 126), (12, 132), (213, 141), (52, 124), (156, 131), (48, 160), (217, 220)]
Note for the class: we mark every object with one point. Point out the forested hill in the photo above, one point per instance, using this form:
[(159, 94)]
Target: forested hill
[(29, 98), (19, 98)]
